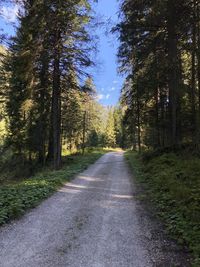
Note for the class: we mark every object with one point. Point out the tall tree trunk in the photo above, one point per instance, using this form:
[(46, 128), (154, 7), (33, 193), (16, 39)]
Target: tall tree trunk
[(198, 66), (84, 132), (50, 144), (157, 128), (193, 77), (138, 120), (173, 80), (56, 103), (157, 141), (43, 110), (162, 117), (133, 130)]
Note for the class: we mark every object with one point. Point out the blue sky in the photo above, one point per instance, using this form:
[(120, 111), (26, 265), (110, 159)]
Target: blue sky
[(106, 79)]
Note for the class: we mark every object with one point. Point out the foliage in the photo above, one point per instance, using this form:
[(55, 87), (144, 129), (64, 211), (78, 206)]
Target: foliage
[(45, 88), (17, 197), (160, 55), (44, 68), (110, 136), (171, 181)]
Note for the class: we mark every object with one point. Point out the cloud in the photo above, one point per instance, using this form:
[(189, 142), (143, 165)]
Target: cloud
[(115, 82), (102, 96), (9, 13), (112, 89)]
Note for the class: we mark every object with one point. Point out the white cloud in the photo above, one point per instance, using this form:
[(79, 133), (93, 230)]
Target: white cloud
[(9, 13), (115, 82), (102, 96), (112, 89)]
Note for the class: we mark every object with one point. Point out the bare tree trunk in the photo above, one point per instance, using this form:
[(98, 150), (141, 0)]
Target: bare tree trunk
[(173, 80), (193, 77), (198, 66), (43, 109), (56, 104), (157, 141), (138, 121), (133, 128), (84, 132), (162, 117)]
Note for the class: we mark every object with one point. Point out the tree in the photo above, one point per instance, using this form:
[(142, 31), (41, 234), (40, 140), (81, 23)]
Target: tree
[(158, 52), (110, 135), (52, 41)]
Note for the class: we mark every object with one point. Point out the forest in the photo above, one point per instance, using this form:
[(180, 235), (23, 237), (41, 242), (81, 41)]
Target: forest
[(160, 52), (52, 124), (49, 103), (160, 55)]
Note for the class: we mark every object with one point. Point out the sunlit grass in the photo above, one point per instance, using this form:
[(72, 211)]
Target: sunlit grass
[(17, 197)]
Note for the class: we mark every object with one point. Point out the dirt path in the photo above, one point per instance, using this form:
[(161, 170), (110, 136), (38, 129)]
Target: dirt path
[(94, 221)]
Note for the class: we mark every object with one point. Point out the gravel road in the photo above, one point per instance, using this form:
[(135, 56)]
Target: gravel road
[(94, 221)]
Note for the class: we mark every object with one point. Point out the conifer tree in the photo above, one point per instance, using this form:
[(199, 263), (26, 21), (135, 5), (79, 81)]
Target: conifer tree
[(158, 52)]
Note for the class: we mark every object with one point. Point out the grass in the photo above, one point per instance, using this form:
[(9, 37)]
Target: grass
[(18, 196), (172, 182)]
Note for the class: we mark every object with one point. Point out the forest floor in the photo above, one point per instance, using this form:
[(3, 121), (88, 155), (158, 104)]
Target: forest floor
[(170, 184), (96, 220)]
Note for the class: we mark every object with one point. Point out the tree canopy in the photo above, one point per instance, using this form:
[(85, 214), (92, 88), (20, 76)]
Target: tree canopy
[(160, 54)]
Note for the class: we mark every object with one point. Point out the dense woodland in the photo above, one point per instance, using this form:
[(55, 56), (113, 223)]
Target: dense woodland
[(160, 55), (49, 104)]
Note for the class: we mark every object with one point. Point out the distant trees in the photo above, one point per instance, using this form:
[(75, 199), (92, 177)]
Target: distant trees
[(110, 135), (159, 51)]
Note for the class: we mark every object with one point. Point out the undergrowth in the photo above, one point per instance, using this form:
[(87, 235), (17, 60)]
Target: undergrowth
[(18, 196), (172, 182)]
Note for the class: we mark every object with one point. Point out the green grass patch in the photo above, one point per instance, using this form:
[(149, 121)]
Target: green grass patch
[(17, 197), (172, 182)]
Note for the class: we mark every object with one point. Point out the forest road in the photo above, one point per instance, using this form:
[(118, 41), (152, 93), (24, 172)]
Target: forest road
[(93, 221)]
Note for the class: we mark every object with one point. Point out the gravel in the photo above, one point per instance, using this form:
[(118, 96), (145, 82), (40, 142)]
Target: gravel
[(94, 221)]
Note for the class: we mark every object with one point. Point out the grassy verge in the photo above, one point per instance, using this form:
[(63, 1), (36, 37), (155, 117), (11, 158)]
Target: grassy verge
[(17, 197), (172, 182)]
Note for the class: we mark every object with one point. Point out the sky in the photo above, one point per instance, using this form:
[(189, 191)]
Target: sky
[(106, 78)]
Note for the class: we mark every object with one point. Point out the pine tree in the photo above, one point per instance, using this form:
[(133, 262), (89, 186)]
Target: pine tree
[(110, 135), (155, 37), (52, 41)]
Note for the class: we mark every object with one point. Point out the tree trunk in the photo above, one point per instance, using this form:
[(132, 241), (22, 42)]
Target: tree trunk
[(173, 66), (138, 121), (43, 110), (163, 120), (84, 132), (50, 144), (198, 66), (133, 129), (193, 77), (157, 128), (56, 104)]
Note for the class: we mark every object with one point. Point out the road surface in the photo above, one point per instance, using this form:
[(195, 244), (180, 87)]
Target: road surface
[(94, 221)]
